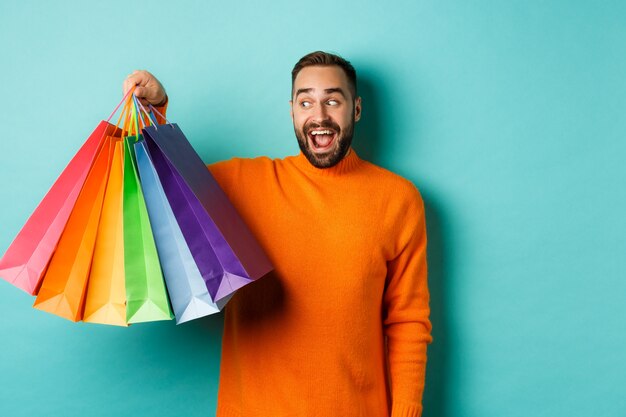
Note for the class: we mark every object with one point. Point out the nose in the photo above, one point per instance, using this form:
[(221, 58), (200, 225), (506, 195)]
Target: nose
[(321, 113)]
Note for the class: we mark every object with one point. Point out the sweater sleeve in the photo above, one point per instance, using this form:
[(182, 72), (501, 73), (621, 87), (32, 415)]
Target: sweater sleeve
[(406, 311)]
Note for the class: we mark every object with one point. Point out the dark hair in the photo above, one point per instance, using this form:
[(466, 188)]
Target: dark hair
[(325, 59)]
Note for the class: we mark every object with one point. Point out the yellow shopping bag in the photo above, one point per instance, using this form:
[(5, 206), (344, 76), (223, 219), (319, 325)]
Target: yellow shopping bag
[(105, 301)]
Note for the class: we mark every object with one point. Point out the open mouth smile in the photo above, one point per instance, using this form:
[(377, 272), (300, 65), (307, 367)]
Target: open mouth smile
[(321, 139)]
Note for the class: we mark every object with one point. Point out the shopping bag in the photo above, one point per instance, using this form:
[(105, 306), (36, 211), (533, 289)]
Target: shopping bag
[(63, 287), (227, 254), (146, 296), (105, 300), (26, 259), (187, 290)]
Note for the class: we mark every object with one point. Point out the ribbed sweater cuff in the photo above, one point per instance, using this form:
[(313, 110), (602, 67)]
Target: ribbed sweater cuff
[(406, 410)]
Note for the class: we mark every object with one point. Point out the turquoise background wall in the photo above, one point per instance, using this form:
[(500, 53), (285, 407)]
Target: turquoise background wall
[(508, 115)]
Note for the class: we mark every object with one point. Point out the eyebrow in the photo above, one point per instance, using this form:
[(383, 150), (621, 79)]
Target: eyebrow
[(327, 91)]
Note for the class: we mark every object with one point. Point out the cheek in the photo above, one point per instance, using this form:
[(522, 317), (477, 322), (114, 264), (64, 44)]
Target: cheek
[(345, 118), (298, 122), (300, 118)]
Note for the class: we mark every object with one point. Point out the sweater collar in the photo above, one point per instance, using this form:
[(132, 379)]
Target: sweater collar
[(347, 164)]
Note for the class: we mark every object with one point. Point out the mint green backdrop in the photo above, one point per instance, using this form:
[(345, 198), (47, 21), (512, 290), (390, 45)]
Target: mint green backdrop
[(510, 116)]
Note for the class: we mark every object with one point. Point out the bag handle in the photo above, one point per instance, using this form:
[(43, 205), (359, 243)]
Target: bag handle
[(139, 115), (120, 103), (152, 108), (146, 114), (134, 115), (126, 115), (149, 114)]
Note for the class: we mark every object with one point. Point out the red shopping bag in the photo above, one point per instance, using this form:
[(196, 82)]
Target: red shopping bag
[(26, 259)]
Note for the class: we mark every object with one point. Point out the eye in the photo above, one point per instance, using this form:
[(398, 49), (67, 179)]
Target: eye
[(305, 104), (332, 102)]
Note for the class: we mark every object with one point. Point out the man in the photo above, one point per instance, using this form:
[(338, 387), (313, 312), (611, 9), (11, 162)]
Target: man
[(340, 328)]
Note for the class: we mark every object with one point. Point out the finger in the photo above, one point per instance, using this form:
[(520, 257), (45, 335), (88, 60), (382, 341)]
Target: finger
[(138, 78), (127, 85), (130, 82), (140, 92), (143, 77), (147, 85)]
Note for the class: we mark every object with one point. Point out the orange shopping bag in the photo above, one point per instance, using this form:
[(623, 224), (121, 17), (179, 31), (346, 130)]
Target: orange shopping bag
[(105, 301), (63, 287)]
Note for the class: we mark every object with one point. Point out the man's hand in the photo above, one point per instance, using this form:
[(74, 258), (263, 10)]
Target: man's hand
[(149, 90)]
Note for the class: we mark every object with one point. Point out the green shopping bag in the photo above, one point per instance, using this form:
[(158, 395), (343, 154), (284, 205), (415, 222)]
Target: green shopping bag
[(145, 288)]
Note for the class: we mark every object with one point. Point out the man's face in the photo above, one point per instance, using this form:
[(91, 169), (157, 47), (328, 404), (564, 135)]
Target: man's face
[(323, 113)]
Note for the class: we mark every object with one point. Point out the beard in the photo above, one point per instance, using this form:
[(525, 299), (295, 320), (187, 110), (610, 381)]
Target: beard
[(332, 157)]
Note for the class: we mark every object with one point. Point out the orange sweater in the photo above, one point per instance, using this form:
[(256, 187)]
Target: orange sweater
[(349, 248)]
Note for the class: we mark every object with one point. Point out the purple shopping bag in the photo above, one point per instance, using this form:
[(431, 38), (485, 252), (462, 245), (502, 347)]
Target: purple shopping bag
[(227, 254)]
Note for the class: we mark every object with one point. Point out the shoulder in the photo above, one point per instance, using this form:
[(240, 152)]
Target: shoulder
[(394, 187), (239, 166), (403, 215), (240, 175), (239, 163)]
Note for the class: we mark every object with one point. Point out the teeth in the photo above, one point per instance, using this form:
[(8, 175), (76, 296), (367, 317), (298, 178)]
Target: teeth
[(321, 132)]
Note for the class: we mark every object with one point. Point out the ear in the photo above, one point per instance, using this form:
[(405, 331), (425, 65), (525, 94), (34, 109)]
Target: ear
[(291, 109), (357, 109)]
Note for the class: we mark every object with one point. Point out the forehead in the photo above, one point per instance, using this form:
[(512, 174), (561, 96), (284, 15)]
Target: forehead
[(320, 78)]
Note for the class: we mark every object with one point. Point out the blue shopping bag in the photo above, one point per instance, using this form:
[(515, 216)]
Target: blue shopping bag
[(188, 292)]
